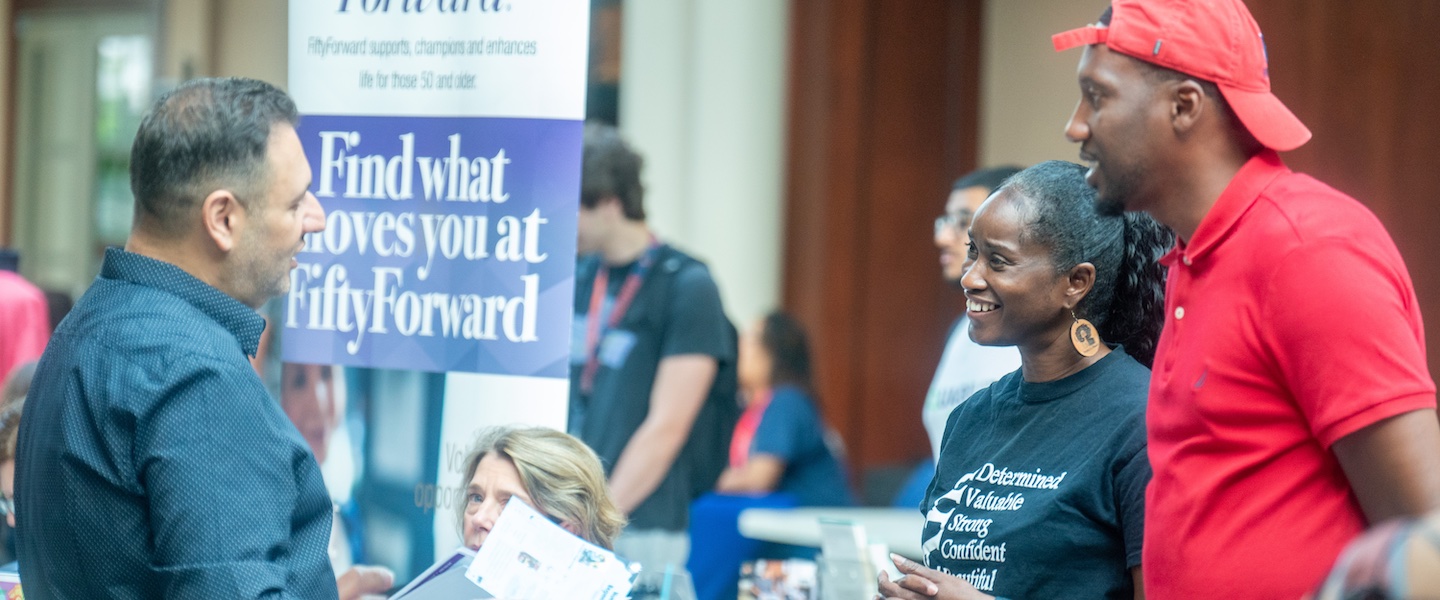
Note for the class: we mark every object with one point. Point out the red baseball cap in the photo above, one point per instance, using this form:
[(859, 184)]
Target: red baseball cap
[(1215, 40)]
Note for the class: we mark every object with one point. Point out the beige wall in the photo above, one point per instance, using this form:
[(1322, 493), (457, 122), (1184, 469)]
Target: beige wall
[(185, 40), (252, 37), (6, 202), (243, 38), (708, 115), (1027, 89)]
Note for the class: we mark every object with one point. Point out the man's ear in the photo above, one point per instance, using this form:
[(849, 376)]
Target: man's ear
[(610, 203), (223, 217), (1079, 282), (1187, 102)]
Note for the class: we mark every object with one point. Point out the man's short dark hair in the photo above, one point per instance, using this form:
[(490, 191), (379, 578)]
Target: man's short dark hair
[(204, 135), (990, 178), (611, 168)]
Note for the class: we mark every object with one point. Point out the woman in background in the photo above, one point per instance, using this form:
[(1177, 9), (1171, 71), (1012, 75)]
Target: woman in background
[(551, 471), (9, 434), (781, 443)]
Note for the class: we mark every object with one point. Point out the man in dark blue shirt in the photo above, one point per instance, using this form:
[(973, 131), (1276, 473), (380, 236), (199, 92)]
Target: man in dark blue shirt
[(151, 461)]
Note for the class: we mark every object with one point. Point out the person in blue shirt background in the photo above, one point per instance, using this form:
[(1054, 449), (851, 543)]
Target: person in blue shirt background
[(782, 443)]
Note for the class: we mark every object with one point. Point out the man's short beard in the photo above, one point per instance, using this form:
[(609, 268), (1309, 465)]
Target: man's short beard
[(1120, 188), (1109, 207)]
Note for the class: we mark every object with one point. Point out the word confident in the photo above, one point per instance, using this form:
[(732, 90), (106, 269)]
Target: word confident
[(453, 178), (978, 550), (420, 6)]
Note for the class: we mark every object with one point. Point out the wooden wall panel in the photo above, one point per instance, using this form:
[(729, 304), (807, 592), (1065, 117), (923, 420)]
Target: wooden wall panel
[(1365, 78), (882, 117), (883, 113)]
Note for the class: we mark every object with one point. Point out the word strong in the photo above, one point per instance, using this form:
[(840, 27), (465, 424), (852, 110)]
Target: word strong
[(453, 178)]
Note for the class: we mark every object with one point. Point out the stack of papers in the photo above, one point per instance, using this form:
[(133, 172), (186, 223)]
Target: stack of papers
[(445, 580), (527, 556)]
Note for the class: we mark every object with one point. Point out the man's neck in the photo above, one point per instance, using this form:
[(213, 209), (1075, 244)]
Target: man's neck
[(1195, 193), (631, 239), (176, 252)]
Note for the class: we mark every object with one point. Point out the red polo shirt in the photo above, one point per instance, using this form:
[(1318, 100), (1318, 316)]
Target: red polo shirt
[(1290, 323)]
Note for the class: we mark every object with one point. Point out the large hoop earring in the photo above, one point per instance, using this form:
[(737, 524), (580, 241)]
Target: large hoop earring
[(1082, 335)]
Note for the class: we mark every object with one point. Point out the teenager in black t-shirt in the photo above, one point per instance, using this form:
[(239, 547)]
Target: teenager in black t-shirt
[(1040, 487)]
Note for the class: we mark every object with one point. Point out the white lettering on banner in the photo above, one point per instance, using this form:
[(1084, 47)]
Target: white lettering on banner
[(331, 298), (326, 301), (452, 178), (420, 6)]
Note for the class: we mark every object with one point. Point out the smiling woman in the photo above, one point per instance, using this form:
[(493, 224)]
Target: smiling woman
[(1039, 491)]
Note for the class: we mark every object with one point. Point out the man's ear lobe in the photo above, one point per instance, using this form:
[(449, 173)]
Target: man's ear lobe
[(222, 216)]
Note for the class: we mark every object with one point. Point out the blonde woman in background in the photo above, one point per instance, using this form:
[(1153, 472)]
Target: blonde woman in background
[(9, 432), (553, 472)]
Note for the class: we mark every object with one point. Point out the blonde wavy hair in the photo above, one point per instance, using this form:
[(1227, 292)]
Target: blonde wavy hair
[(562, 475), (10, 428)]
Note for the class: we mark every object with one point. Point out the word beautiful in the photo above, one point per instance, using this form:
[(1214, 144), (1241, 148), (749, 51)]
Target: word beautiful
[(373, 265)]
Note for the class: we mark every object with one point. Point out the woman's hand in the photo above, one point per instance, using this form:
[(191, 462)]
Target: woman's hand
[(921, 583), (362, 582)]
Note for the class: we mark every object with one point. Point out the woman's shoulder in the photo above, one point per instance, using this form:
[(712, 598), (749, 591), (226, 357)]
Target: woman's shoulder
[(1121, 392), (1125, 374), (790, 399)]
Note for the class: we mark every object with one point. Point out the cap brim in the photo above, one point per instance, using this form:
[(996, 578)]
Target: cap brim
[(1267, 118), (1088, 35)]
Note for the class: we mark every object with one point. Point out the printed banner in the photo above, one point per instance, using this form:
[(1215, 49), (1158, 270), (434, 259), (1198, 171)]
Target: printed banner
[(444, 139), (449, 245)]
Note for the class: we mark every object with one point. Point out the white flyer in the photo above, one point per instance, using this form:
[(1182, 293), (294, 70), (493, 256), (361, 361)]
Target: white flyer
[(527, 556), (445, 580)]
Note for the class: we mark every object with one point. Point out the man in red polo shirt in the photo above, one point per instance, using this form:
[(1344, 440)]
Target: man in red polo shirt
[(1290, 403)]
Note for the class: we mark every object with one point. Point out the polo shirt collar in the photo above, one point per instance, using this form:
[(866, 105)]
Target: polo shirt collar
[(1244, 189), (240, 320)]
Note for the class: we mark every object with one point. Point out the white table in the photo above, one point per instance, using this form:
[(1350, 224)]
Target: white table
[(898, 528)]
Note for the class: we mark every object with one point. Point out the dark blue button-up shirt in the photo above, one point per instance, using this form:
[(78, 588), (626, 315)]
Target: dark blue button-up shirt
[(153, 464)]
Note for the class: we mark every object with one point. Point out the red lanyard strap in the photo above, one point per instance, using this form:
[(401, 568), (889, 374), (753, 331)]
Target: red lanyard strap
[(593, 330)]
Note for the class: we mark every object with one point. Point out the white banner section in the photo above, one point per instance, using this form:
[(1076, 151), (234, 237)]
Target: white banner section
[(443, 58)]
